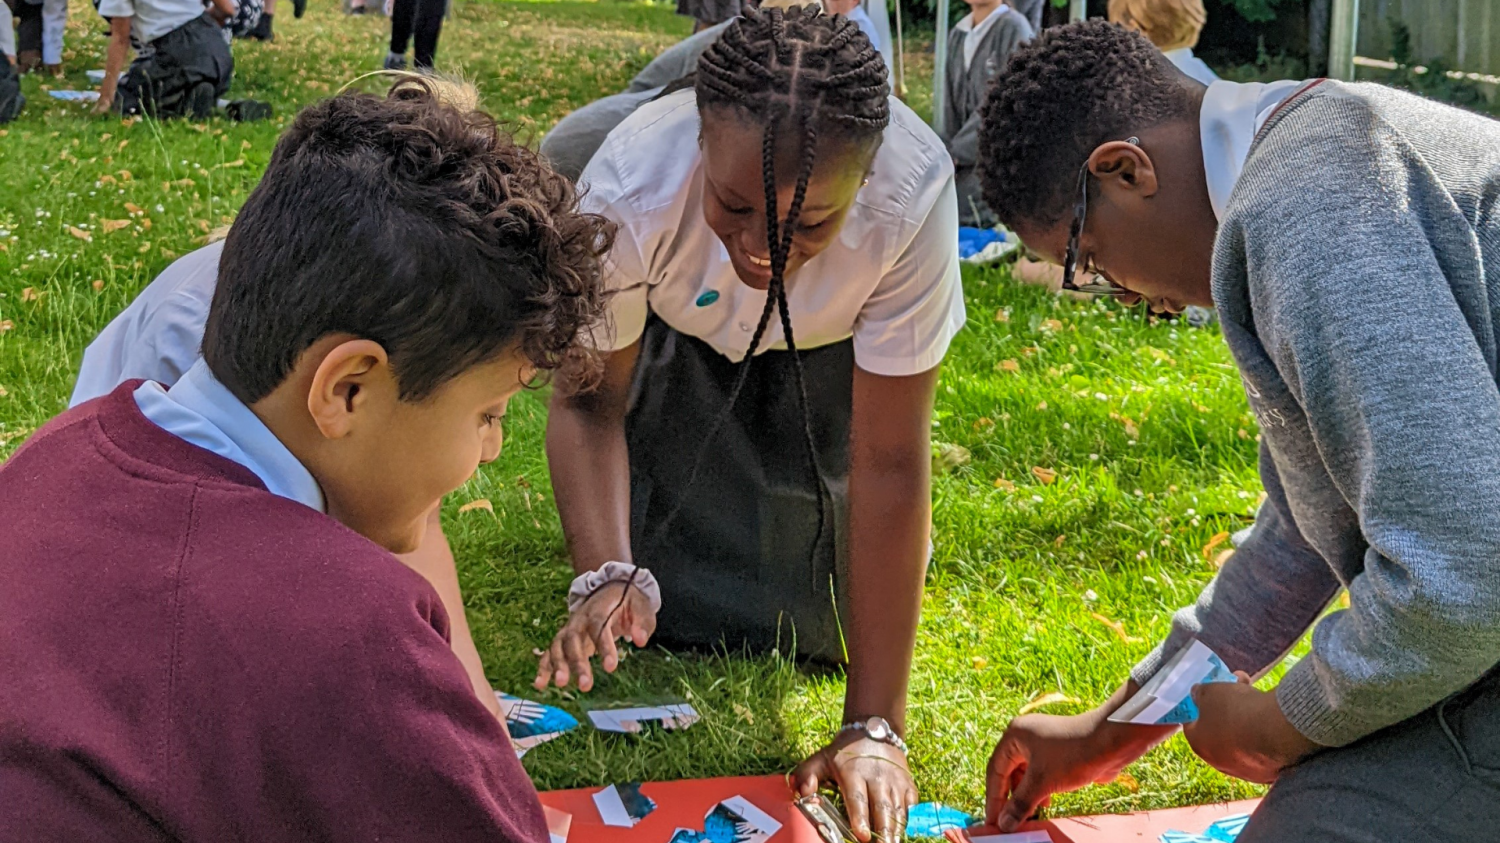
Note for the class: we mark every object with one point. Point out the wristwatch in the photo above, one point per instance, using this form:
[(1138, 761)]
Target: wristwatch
[(877, 729)]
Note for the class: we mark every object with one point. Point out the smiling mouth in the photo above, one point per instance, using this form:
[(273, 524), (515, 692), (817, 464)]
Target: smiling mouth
[(761, 262)]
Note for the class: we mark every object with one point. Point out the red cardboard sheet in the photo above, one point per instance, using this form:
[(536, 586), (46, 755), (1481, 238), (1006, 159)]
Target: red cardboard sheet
[(683, 804)]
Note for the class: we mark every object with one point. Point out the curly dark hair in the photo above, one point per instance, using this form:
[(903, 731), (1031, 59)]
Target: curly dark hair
[(1061, 96), (412, 222)]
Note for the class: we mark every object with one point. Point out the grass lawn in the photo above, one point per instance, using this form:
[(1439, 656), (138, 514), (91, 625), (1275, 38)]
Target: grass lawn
[(1036, 587)]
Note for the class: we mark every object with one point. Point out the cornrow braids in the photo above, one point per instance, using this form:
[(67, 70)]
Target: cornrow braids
[(787, 70)]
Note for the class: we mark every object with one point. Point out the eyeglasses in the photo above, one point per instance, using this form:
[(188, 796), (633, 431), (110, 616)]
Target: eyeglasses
[(1075, 233)]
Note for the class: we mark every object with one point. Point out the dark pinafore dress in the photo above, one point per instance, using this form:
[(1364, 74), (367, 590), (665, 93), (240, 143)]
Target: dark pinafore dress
[(743, 564)]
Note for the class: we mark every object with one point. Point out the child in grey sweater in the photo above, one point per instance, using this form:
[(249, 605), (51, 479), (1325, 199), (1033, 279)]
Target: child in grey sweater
[(1358, 235)]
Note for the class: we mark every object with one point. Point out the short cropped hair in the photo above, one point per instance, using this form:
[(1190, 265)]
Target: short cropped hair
[(411, 222), (1061, 96), (1169, 24)]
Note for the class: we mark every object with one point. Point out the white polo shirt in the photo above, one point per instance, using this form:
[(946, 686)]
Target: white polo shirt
[(890, 279), (151, 19)]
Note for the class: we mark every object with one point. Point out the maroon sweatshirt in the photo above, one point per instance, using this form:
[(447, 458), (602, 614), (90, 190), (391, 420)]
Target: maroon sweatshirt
[(185, 656)]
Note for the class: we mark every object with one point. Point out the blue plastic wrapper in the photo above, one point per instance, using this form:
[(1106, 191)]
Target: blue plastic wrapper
[(931, 819), (971, 241)]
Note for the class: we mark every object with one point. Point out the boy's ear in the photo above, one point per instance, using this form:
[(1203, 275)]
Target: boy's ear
[(349, 377), (1124, 166)]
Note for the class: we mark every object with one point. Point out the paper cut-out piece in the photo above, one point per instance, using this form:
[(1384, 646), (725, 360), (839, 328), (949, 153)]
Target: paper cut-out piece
[(95, 75), (532, 724), (558, 823), (1016, 837), (1167, 697), (734, 820), (623, 805), (1223, 830), (75, 96), (630, 719), (932, 819)]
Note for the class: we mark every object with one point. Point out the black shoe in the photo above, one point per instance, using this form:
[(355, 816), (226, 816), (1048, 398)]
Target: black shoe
[(357, 10), (201, 101), (299, 7), (246, 111), (395, 62), (262, 30)]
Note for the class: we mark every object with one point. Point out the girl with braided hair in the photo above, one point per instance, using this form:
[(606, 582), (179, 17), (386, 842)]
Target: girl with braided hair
[(753, 470)]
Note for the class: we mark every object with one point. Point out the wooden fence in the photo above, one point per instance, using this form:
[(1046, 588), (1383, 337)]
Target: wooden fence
[(1464, 32)]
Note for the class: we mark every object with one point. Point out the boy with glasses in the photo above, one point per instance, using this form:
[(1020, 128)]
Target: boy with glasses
[(1349, 236)]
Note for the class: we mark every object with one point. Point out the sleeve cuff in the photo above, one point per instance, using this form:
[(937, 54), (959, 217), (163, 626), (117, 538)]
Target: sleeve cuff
[(1147, 667), (1308, 709)]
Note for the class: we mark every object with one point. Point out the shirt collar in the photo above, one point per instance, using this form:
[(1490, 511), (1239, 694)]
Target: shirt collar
[(1231, 115), (967, 24), (203, 412)]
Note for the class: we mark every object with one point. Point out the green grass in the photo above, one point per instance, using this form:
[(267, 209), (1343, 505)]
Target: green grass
[(1021, 578)]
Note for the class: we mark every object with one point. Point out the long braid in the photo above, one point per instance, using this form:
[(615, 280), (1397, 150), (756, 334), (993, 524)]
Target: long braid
[(786, 69)]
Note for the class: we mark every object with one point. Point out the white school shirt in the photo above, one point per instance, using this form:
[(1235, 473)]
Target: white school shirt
[(151, 19), (1231, 114), (160, 335), (890, 279), (200, 410), (977, 33), (1190, 64)]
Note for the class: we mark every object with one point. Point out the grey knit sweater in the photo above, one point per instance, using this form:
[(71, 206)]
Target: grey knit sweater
[(1357, 276)]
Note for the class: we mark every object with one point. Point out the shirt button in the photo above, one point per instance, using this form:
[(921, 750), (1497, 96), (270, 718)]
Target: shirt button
[(745, 326)]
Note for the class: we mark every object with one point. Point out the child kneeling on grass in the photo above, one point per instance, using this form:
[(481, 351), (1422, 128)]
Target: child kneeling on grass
[(182, 64), (1355, 268), (204, 633)]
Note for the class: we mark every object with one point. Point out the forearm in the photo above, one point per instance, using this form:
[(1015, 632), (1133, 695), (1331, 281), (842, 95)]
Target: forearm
[(1262, 600), (889, 529), (590, 466), (114, 59)]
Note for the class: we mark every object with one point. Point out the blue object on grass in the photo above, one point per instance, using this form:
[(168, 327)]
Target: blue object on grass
[(526, 719), (971, 241), (931, 819)]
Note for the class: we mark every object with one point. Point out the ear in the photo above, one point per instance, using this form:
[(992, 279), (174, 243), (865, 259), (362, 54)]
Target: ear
[(1122, 166), (347, 380)]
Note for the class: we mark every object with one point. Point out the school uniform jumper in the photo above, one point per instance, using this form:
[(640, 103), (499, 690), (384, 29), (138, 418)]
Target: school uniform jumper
[(1355, 276), (977, 54), (175, 671), (745, 563)]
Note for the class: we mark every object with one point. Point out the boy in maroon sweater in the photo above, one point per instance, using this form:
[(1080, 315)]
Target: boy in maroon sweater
[(204, 635)]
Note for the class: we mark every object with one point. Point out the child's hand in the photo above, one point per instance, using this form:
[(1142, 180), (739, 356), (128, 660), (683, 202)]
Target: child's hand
[(1043, 754), (1241, 732), (105, 102), (593, 629)]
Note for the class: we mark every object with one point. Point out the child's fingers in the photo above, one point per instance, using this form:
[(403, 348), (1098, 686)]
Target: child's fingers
[(543, 672), (609, 654), (558, 660), (857, 801), (578, 661)]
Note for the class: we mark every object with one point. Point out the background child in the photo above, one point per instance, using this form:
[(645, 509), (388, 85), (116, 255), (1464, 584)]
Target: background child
[(1172, 25), (422, 19), (978, 47), (1378, 405), (187, 67), (177, 669)]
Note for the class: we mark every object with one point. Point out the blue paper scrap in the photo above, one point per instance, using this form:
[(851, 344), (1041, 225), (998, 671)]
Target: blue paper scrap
[(931, 819), (1223, 830), (971, 241), (720, 826)]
